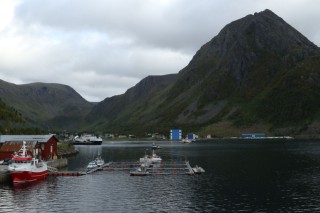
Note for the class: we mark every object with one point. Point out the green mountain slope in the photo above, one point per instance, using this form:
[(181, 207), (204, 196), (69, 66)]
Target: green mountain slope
[(9, 114), (52, 106), (8, 118)]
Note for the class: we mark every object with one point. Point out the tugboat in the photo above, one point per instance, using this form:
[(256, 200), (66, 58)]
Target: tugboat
[(24, 168)]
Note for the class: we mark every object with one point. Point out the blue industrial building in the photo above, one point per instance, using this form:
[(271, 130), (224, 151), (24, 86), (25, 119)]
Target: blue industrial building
[(192, 136), (175, 134)]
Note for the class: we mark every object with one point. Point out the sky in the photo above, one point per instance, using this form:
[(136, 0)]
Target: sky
[(101, 48)]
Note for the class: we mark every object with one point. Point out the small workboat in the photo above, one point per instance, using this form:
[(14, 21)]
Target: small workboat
[(139, 172), (154, 158), (92, 165), (186, 140), (142, 170), (24, 168), (198, 170), (99, 161), (155, 146)]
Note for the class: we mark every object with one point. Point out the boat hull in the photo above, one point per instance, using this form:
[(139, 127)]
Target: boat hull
[(138, 174), (86, 143), (27, 176)]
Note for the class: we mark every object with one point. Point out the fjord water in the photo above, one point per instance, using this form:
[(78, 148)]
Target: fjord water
[(241, 175)]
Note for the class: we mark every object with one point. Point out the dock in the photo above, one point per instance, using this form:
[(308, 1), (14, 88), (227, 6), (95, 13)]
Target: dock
[(163, 168), (169, 168), (66, 173), (52, 171), (134, 168), (121, 166)]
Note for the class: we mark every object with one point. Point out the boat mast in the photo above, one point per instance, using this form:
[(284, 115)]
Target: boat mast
[(24, 149)]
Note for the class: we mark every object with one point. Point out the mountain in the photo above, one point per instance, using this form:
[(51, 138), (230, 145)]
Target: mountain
[(257, 70), (52, 106), (137, 104), (9, 113), (258, 74)]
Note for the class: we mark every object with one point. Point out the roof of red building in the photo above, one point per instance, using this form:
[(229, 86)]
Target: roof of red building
[(38, 138)]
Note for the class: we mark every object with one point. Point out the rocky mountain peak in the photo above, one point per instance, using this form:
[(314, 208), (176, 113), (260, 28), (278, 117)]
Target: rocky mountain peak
[(242, 42)]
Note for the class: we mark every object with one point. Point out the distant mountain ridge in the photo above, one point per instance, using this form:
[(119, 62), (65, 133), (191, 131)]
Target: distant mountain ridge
[(257, 74), (49, 105)]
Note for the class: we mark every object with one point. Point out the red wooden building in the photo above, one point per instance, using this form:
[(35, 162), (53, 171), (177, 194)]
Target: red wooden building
[(45, 147)]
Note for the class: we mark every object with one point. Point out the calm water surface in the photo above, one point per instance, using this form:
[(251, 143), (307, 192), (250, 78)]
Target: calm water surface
[(248, 176)]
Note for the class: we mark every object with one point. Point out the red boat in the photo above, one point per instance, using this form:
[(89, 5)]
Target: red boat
[(25, 168)]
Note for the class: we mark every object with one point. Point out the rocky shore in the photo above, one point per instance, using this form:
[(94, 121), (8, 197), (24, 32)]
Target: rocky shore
[(66, 149)]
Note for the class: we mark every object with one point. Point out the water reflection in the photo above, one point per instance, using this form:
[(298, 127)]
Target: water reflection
[(240, 176)]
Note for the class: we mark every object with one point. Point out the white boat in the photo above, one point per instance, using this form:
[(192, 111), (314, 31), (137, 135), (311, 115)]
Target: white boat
[(155, 146), (92, 165), (86, 139), (99, 161), (139, 172), (186, 140), (96, 163), (154, 158), (198, 170), (25, 168)]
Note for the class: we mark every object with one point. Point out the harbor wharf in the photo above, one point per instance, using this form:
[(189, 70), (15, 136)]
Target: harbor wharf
[(121, 166), (66, 173), (163, 168)]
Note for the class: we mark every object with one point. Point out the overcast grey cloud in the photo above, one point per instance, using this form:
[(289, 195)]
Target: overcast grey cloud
[(102, 48)]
